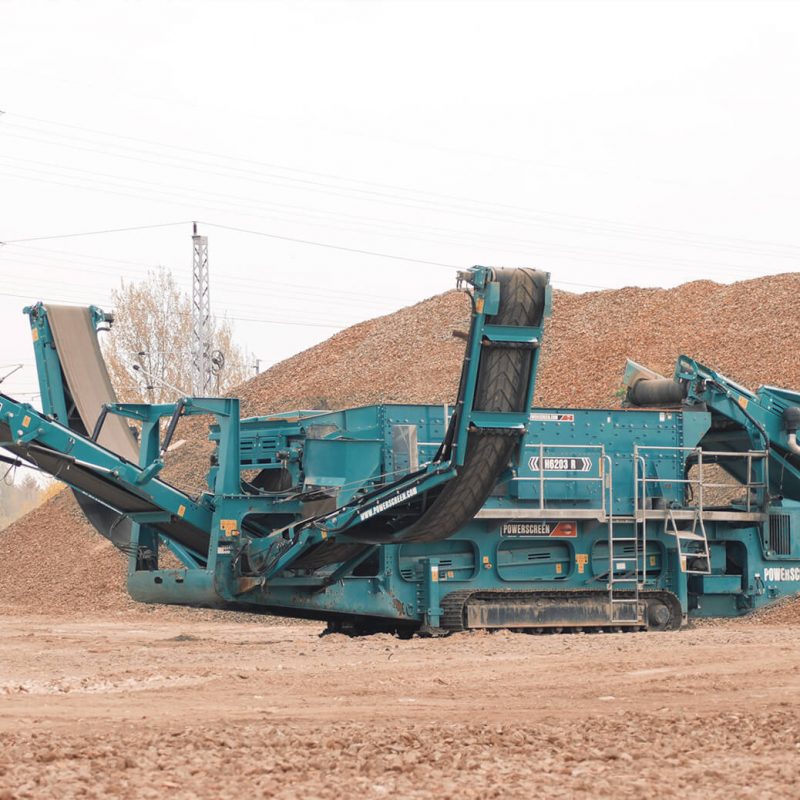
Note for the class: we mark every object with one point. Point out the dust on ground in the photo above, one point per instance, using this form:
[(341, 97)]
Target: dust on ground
[(198, 708)]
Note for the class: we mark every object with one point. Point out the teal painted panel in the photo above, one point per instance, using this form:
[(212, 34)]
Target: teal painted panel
[(527, 560)]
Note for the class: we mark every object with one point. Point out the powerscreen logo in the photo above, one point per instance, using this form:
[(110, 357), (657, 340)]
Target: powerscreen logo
[(394, 501), (774, 574)]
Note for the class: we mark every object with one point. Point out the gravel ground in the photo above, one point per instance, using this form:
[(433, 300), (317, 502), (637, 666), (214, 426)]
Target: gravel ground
[(198, 709)]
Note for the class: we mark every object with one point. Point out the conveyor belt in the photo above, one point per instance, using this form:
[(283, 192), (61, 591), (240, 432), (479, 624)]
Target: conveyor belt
[(108, 500), (88, 387), (503, 381), (87, 378)]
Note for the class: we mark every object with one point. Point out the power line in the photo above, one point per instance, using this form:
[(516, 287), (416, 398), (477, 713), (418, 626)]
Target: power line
[(588, 254), (387, 222), (249, 287), (624, 256), (247, 284), (331, 246), (237, 318), (412, 232), (394, 188), (241, 230), (95, 233)]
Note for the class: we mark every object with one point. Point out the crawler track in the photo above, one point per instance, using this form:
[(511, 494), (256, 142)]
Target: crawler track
[(557, 611)]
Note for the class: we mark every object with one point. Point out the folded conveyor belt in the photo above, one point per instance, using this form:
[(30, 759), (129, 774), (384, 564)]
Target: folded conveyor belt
[(109, 499), (87, 389), (503, 381), (87, 379), (504, 378)]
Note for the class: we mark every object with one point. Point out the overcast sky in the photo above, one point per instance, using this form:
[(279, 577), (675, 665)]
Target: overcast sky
[(612, 144)]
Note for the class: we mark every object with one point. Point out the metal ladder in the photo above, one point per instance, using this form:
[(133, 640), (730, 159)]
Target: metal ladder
[(623, 608), (692, 545)]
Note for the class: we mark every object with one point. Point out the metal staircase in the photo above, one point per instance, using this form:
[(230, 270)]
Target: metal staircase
[(623, 561), (692, 545)]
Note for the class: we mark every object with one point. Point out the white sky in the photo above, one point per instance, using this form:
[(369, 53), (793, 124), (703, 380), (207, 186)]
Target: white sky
[(613, 144)]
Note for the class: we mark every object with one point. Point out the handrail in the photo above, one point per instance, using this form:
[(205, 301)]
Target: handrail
[(542, 479), (700, 481), (637, 460)]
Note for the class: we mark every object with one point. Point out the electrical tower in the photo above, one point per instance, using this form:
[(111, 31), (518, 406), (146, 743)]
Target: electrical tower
[(201, 316)]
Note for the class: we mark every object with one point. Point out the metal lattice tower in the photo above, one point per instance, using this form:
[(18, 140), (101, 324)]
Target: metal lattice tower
[(201, 316)]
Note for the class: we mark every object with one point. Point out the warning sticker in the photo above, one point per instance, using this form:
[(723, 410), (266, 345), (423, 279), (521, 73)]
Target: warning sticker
[(548, 417), (530, 527), (560, 464)]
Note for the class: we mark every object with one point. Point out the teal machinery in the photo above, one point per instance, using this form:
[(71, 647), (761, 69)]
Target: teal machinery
[(483, 513)]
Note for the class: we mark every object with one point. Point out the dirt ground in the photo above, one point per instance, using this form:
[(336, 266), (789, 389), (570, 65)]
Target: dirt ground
[(203, 704)]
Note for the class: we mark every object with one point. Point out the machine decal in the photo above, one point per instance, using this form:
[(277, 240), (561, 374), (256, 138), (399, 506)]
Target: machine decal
[(394, 501), (782, 573), (581, 560), (523, 528), (543, 417), (561, 464)]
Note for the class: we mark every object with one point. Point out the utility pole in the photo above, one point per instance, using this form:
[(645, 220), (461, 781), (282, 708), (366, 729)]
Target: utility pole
[(201, 316)]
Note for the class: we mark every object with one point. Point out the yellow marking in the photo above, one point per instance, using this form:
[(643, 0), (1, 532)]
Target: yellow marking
[(581, 559), (479, 305), (229, 526), (742, 402), (26, 420), (324, 534), (181, 510), (451, 574), (486, 559), (35, 334), (652, 561), (558, 569), (435, 574), (683, 563)]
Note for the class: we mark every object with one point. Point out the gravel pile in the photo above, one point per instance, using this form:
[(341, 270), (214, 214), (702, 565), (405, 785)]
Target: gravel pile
[(52, 561), (624, 755)]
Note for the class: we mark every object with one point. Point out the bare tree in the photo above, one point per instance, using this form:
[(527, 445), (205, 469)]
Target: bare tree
[(153, 328), (17, 497)]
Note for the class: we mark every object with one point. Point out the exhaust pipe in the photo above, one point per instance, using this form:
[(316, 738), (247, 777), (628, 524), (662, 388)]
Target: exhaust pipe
[(791, 421)]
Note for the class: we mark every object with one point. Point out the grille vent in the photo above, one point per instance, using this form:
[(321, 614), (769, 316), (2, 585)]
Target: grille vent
[(780, 540)]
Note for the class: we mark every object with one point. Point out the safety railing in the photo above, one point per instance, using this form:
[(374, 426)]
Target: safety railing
[(641, 481), (603, 479)]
